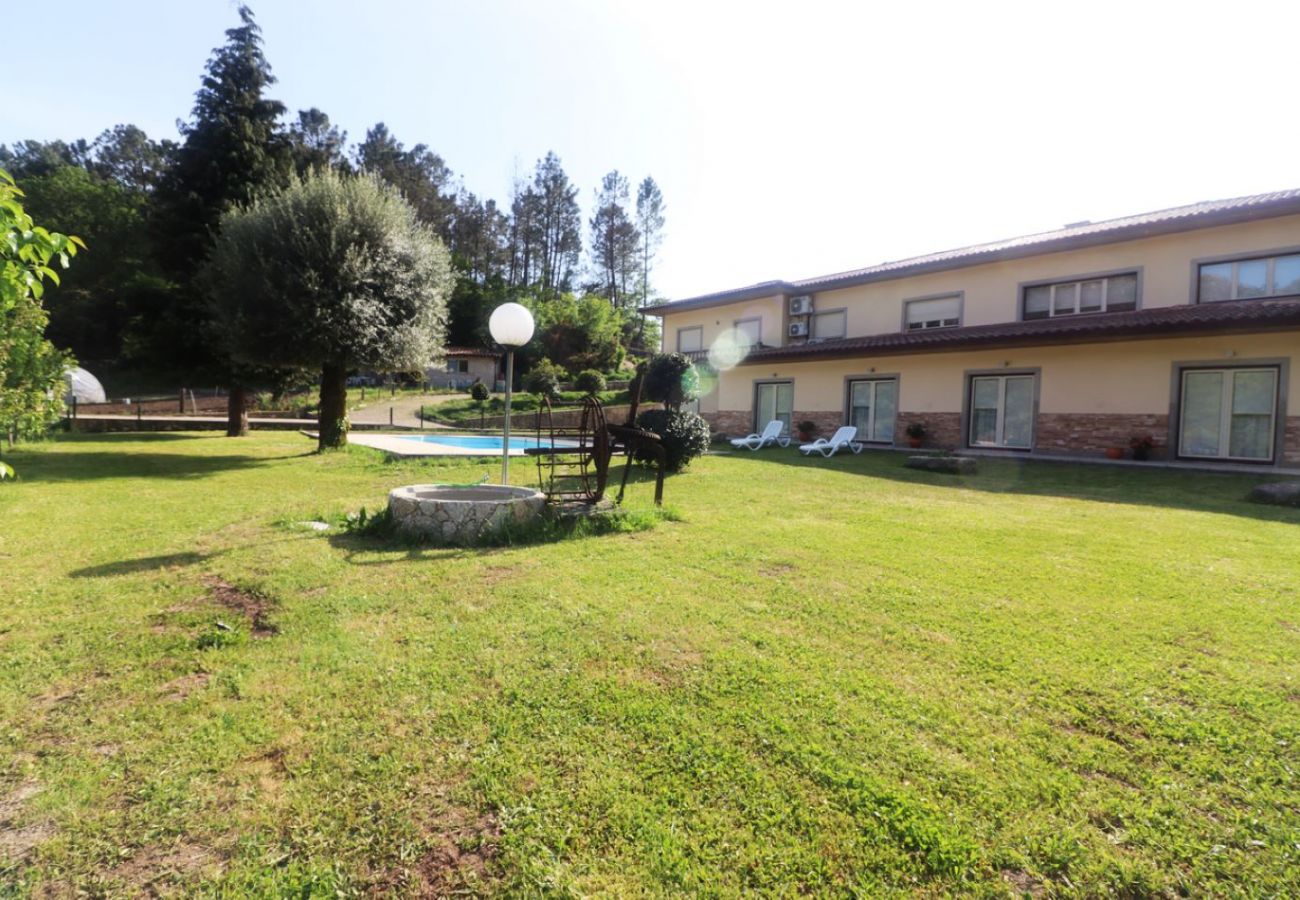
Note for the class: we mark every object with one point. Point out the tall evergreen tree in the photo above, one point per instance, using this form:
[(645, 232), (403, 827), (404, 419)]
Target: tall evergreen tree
[(558, 226), (615, 243), (650, 225), (233, 149)]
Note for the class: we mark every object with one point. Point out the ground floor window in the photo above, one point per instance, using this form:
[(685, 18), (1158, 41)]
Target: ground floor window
[(1002, 411), (773, 400), (1228, 413), (873, 407)]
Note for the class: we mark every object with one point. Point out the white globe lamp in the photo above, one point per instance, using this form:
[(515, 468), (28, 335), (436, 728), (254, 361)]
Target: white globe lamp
[(511, 325)]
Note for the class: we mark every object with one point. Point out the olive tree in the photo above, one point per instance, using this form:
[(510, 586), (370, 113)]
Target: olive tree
[(334, 273)]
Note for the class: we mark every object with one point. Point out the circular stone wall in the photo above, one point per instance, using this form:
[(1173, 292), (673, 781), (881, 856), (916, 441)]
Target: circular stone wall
[(452, 514)]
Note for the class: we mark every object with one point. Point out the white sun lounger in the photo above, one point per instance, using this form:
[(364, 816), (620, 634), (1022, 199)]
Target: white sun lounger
[(845, 436), (771, 435)]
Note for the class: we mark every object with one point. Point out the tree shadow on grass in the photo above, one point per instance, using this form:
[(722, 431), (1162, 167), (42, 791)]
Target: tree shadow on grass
[(91, 466), (1216, 492), (141, 564)]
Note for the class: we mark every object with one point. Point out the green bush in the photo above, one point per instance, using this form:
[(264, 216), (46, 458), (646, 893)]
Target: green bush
[(544, 379), (670, 379), (590, 382), (479, 392), (685, 435)]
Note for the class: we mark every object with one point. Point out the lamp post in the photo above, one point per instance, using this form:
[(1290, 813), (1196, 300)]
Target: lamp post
[(511, 326)]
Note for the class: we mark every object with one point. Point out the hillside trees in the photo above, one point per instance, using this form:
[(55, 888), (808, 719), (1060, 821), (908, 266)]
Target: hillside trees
[(151, 209)]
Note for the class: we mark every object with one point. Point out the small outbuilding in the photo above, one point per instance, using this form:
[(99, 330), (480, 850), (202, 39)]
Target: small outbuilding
[(462, 366)]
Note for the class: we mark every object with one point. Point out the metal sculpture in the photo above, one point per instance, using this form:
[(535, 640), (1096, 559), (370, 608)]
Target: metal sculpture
[(573, 461)]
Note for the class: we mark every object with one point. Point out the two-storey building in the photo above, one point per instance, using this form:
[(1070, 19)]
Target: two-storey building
[(1182, 324)]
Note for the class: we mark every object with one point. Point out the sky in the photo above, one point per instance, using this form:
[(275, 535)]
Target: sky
[(790, 139)]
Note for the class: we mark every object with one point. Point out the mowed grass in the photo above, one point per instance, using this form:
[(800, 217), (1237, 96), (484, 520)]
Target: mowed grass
[(824, 677)]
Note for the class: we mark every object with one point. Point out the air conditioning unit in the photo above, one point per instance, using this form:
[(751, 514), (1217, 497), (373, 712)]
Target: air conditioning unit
[(798, 329), (801, 305)]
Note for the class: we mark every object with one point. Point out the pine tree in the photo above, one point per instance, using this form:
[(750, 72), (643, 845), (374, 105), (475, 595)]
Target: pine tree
[(418, 173), (614, 239), (233, 147), (315, 143), (558, 226), (650, 224)]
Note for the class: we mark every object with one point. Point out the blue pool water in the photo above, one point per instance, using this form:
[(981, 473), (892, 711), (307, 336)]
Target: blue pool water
[(485, 442)]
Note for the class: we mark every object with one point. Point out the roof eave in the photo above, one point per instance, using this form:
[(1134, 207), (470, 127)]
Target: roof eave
[(997, 342)]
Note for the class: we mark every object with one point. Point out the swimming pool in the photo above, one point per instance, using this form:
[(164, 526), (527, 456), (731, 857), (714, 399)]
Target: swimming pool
[(487, 443), (439, 444)]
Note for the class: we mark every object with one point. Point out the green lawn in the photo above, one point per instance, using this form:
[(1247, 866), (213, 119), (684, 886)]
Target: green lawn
[(818, 677)]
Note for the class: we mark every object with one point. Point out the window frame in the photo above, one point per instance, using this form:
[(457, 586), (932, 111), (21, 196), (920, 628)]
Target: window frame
[(753, 413), (842, 311), (1271, 255), (1023, 287), (699, 328), (944, 295), (735, 325), (968, 406), (1282, 365), (851, 380)]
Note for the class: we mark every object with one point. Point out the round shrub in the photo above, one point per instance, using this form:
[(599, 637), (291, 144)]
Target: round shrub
[(685, 435), (670, 379), (590, 382), (478, 391), (544, 378)]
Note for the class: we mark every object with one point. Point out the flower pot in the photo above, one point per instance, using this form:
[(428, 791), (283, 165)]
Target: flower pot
[(915, 443), (1114, 452), (805, 436), (1141, 453)]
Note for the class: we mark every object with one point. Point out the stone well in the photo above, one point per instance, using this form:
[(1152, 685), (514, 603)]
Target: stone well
[(459, 514)]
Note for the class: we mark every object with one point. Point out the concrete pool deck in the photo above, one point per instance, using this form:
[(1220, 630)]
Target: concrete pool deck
[(423, 445)]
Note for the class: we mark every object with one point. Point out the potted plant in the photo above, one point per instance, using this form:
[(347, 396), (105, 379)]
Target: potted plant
[(916, 434), (1141, 445), (807, 428), (1114, 452)]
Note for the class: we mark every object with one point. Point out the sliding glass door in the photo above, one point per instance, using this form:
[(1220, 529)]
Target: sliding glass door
[(773, 400), (873, 406), (1228, 414), (1002, 411)]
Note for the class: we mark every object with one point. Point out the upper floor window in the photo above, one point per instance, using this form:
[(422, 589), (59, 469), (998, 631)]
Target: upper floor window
[(690, 340), (932, 312), (749, 331), (1110, 293), (1243, 279), (829, 325)]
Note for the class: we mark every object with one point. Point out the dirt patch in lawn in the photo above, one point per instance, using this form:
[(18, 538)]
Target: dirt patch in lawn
[(1024, 883), (180, 688), (461, 848), (251, 604), (17, 840), (459, 857), (150, 865)]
